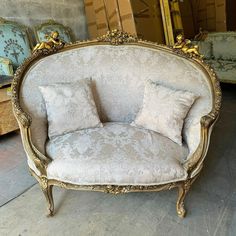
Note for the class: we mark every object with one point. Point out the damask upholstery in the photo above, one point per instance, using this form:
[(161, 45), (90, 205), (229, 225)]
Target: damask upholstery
[(41, 31), (119, 75), (164, 110), (6, 67), (115, 154), (223, 58), (226, 70), (14, 42), (71, 100)]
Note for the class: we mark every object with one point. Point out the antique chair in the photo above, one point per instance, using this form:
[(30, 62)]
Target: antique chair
[(14, 42), (219, 49), (44, 29), (118, 64)]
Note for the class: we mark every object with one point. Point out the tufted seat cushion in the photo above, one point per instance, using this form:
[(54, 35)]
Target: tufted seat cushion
[(115, 154)]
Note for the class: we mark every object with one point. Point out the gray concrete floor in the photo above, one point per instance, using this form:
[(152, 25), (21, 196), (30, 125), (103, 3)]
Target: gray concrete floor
[(14, 174), (211, 203)]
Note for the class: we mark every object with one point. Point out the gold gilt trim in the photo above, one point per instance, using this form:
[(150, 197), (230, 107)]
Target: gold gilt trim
[(186, 47), (193, 165), (116, 37)]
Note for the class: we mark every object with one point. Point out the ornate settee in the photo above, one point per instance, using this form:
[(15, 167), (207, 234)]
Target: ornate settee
[(118, 64), (219, 50)]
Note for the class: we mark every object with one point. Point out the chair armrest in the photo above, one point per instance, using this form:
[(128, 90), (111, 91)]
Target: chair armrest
[(194, 163), (39, 160)]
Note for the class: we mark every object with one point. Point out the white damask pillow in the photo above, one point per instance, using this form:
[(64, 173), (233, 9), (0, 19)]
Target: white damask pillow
[(164, 110), (70, 107)]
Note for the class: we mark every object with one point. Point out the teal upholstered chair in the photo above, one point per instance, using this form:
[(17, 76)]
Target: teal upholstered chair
[(14, 42), (41, 31), (6, 67)]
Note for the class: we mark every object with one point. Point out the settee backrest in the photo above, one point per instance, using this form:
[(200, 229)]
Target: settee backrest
[(118, 74)]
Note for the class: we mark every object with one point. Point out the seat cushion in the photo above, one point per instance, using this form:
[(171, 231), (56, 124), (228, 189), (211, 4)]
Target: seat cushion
[(117, 154)]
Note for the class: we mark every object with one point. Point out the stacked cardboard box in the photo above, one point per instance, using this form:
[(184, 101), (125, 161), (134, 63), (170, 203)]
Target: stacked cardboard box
[(212, 15), (138, 17), (220, 6), (186, 12)]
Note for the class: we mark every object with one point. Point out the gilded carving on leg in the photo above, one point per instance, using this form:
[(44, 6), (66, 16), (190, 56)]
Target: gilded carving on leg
[(47, 190)]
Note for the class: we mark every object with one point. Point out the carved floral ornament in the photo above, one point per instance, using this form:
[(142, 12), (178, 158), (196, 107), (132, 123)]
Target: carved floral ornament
[(117, 37)]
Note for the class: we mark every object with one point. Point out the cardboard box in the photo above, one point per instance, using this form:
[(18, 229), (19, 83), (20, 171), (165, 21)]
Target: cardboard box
[(101, 17), (148, 20), (113, 15), (104, 15), (221, 24), (91, 18), (186, 12), (127, 17), (211, 15)]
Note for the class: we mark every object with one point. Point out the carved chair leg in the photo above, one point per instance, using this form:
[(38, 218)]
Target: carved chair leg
[(183, 189), (47, 190)]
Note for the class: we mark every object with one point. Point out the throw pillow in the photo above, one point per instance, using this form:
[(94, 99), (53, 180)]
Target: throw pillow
[(164, 110), (70, 107)]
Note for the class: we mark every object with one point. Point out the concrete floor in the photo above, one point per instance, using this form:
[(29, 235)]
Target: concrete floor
[(14, 174), (211, 203)]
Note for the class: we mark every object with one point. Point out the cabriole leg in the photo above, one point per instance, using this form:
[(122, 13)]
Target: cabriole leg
[(47, 190), (183, 189)]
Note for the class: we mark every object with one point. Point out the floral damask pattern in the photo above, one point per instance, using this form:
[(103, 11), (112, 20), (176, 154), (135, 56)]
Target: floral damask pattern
[(118, 76), (70, 106), (115, 154), (164, 110), (225, 70), (223, 44), (14, 43)]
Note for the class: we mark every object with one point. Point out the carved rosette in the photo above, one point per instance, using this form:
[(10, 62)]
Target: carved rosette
[(117, 37)]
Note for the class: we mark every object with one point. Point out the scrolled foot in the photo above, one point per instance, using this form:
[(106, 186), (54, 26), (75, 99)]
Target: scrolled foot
[(183, 189), (47, 190), (50, 212), (49, 197), (181, 210)]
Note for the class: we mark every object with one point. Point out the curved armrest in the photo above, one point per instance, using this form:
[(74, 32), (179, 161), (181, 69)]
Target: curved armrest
[(24, 120), (194, 163)]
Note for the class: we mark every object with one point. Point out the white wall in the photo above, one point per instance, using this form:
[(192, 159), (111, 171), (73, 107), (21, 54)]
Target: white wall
[(32, 12)]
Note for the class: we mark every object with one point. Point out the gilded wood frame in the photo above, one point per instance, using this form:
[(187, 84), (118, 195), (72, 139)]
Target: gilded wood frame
[(193, 165)]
